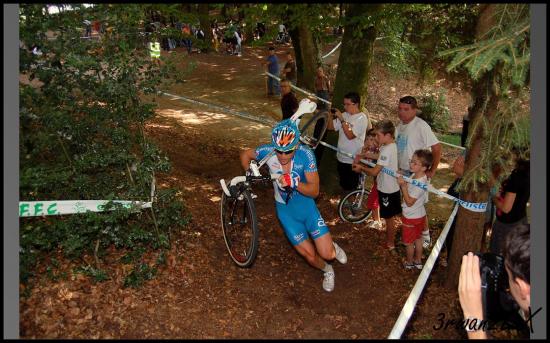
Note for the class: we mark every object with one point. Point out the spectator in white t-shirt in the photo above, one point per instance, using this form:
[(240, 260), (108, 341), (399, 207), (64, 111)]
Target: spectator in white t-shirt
[(352, 128), (413, 217), (413, 134), (389, 195)]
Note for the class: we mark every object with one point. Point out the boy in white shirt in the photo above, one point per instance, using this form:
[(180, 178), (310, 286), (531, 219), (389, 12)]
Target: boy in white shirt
[(389, 195), (414, 213)]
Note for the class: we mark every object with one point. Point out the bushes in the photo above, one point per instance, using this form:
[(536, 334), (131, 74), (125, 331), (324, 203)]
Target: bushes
[(81, 137), (434, 110)]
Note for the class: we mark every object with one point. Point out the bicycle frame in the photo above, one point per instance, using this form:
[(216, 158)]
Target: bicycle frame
[(361, 186)]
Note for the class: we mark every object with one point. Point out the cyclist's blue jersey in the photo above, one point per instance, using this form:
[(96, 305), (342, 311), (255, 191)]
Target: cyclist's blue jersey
[(299, 216), (303, 161)]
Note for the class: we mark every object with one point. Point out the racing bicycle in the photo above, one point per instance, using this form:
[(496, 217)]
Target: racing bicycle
[(238, 212)]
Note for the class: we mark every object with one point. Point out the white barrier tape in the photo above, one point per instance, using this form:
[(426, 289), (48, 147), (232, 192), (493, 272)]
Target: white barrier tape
[(224, 109), (330, 103), (299, 89), (408, 308), (452, 145), (472, 206), (332, 51), (59, 207)]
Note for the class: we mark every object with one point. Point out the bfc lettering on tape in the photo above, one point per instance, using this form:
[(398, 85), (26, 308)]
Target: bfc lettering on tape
[(472, 206), (52, 208)]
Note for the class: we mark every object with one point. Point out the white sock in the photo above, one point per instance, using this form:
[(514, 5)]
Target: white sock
[(328, 268)]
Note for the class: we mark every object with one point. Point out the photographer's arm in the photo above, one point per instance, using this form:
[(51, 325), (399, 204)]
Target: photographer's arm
[(469, 293)]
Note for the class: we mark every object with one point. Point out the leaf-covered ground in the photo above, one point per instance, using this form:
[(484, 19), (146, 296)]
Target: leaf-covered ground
[(200, 292)]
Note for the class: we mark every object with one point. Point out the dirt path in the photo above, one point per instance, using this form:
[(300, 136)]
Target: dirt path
[(201, 293)]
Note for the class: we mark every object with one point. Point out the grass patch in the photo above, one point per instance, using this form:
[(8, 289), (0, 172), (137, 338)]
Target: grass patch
[(449, 138)]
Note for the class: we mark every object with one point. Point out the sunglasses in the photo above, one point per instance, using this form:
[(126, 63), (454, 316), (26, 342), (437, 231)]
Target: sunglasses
[(284, 152)]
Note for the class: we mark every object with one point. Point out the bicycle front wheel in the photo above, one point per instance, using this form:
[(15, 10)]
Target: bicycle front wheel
[(352, 208), (240, 228)]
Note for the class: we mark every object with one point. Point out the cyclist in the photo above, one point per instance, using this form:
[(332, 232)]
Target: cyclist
[(295, 191)]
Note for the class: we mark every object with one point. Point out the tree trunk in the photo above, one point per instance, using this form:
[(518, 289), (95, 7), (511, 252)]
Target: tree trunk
[(469, 225), (426, 41), (355, 55), (306, 56), (204, 18), (354, 64)]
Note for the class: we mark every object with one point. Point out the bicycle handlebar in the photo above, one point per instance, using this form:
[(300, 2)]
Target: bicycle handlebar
[(245, 178)]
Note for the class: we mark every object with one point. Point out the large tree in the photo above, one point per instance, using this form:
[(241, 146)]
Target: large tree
[(354, 65), (498, 63), (357, 51)]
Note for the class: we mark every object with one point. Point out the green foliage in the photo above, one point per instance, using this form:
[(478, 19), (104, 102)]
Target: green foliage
[(141, 273), (502, 55), (507, 43), (399, 55), (96, 274), (81, 132), (450, 138), (412, 34), (434, 110)]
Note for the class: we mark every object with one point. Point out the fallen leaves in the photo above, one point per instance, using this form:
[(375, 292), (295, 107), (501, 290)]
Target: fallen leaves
[(202, 294)]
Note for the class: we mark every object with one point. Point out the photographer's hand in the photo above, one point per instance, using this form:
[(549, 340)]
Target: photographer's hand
[(469, 292)]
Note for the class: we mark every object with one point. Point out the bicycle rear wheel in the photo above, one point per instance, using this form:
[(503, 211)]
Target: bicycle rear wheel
[(352, 207), (314, 129), (240, 228)]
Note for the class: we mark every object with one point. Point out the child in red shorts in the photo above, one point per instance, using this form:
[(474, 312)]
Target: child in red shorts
[(370, 151), (413, 214)]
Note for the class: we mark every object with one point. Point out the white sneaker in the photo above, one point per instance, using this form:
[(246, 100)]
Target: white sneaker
[(427, 240), (340, 254), (328, 281)]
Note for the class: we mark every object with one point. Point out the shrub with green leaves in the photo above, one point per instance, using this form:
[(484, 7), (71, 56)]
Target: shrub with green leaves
[(82, 132), (434, 110)]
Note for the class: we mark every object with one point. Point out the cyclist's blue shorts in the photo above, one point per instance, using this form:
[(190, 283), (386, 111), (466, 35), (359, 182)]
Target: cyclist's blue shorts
[(300, 219)]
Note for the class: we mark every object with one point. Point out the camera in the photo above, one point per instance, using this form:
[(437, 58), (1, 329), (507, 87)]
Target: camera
[(498, 303)]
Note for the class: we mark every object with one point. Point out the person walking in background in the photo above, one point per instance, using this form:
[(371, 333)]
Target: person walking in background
[(273, 68), (186, 41), (352, 127), (322, 88), (289, 103), (238, 40), (289, 70)]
